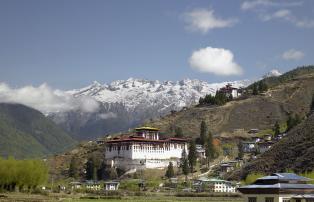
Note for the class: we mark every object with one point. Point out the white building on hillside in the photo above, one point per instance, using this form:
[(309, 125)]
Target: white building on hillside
[(144, 150)]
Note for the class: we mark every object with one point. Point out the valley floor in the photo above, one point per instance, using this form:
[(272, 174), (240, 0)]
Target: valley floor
[(74, 198)]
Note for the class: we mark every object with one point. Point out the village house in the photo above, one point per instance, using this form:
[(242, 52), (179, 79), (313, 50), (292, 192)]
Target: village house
[(249, 147), (112, 185), (279, 187), (268, 137), (92, 185), (214, 185), (264, 146), (75, 185), (253, 131), (256, 139), (200, 151), (144, 150), (230, 91), (226, 167)]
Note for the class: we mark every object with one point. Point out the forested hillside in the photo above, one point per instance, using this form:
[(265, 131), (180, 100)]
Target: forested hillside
[(25, 132)]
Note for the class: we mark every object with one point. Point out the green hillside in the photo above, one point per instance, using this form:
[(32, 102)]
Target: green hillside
[(25, 132)]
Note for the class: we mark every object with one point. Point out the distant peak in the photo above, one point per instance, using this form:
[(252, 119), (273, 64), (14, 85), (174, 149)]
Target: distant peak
[(273, 73), (96, 83)]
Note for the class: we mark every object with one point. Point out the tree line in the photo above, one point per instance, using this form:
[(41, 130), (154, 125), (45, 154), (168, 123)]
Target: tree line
[(22, 174), (95, 167), (219, 98), (259, 87)]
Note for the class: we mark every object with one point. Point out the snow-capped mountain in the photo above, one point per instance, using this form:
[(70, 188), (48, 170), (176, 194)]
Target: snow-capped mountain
[(272, 73), (139, 92), (127, 103)]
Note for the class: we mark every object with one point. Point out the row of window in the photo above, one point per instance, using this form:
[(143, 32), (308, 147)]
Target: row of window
[(141, 148)]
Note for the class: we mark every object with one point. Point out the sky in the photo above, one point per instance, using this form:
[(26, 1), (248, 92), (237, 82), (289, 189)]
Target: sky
[(70, 43)]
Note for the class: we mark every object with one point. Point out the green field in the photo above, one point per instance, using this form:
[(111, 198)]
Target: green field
[(160, 199), (76, 198)]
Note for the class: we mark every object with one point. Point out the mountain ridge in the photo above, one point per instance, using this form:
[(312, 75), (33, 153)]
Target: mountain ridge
[(27, 133)]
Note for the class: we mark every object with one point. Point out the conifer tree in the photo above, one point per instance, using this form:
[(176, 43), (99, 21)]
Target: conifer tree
[(312, 104), (255, 89), (74, 168), (297, 119), (112, 173), (209, 148), (276, 129), (262, 86), (93, 165), (240, 150), (290, 122), (184, 164), (178, 132), (170, 171), (203, 132), (192, 155)]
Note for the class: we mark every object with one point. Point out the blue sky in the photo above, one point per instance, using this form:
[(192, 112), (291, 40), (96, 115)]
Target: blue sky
[(70, 43)]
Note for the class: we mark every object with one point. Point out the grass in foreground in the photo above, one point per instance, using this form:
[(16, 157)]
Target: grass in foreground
[(161, 199)]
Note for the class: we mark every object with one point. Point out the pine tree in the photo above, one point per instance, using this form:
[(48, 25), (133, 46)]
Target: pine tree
[(192, 156), (112, 173), (255, 89), (184, 164), (170, 171), (297, 119), (93, 165), (178, 132), (209, 148), (312, 104), (290, 122), (262, 86), (203, 132), (74, 168), (276, 129), (240, 150)]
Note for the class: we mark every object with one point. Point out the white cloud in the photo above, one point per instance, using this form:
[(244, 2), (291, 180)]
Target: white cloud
[(204, 20), (46, 99), (293, 54), (287, 15), (251, 5), (107, 115), (218, 61)]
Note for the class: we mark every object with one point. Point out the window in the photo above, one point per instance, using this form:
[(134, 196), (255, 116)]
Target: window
[(286, 200), (309, 200), (269, 199), (252, 199)]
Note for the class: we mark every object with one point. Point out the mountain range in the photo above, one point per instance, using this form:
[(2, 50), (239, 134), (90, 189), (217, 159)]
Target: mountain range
[(290, 93), (124, 104)]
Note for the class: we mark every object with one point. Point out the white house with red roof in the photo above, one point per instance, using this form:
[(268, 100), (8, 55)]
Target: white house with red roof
[(144, 150)]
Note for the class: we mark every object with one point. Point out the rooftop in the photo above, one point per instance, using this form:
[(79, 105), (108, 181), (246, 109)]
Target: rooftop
[(147, 128), (285, 176), (279, 183)]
